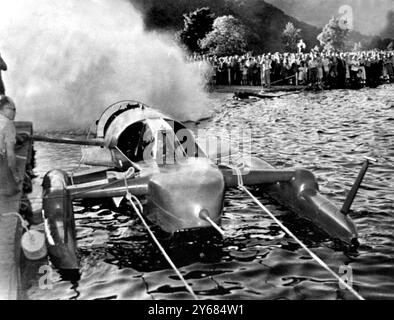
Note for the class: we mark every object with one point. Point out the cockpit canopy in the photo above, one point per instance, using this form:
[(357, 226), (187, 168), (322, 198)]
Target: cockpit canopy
[(144, 134), (151, 139)]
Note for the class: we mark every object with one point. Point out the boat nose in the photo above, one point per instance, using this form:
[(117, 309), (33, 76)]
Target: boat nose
[(182, 196)]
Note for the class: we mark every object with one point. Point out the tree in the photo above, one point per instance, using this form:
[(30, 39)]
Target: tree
[(228, 37), (290, 37), (196, 25), (334, 35)]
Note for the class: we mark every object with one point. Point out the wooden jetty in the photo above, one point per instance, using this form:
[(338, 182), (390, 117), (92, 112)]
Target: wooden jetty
[(10, 226)]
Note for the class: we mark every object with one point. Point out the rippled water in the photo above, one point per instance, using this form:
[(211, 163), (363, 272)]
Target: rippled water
[(328, 133)]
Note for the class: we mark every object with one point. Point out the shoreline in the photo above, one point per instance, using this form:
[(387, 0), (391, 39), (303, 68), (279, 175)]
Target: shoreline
[(255, 89)]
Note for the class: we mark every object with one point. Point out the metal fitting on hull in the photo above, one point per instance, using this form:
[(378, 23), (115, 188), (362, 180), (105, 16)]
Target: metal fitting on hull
[(177, 197), (59, 221)]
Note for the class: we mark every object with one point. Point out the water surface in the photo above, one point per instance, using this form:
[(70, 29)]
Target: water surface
[(329, 133)]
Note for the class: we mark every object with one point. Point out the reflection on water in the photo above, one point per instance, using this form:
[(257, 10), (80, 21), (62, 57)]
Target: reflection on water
[(328, 133)]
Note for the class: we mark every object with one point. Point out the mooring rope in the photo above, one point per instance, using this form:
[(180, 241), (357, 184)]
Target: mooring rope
[(133, 164), (293, 76), (131, 198), (286, 230), (24, 223), (205, 216)]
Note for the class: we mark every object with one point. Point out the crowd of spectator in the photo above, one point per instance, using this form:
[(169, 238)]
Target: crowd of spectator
[(322, 69)]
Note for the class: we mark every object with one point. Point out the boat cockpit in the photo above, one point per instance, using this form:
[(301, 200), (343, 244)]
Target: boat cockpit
[(141, 134), (159, 140)]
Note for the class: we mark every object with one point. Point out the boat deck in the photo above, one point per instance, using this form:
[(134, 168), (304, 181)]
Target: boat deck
[(10, 227)]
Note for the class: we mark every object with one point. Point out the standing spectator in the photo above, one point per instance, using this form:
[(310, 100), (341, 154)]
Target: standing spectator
[(389, 65), (354, 69), (287, 70), (326, 67), (222, 72), (373, 71), (266, 67), (362, 62), (261, 62), (348, 66), (238, 71), (3, 67), (245, 70), (277, 68), (273, 67), (249, 64), (229, 70), (232, 71), (214, 67), (319, 65), (341, 68), (303, 73), (255, 72), (391, 55), (312, 68), (387, 70)]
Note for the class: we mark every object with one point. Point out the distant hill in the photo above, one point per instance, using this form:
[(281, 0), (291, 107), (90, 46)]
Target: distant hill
[(168, 14), (388, 31), (265, 21), (369, 16)]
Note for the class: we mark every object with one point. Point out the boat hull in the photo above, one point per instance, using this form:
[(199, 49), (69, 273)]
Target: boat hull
[(301, 195), (298, 190), (177, 197), (59, 221)]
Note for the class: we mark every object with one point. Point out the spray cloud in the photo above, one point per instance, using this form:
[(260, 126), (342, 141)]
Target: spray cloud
[(69, 59)]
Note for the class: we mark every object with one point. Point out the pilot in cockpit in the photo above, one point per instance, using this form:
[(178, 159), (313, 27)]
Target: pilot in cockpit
[(151, 139)]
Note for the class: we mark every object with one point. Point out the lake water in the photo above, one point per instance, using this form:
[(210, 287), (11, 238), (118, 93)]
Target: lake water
[(328, 133)]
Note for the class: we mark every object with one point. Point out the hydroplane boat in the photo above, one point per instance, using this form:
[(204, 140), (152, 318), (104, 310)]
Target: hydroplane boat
[(138, 151)]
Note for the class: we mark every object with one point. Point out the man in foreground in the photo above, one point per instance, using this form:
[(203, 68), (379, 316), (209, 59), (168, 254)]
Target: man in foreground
[(8, 171)]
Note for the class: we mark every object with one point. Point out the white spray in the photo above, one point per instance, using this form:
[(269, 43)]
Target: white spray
[(69, 59)]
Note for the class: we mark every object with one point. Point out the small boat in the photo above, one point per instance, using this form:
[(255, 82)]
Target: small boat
[(139, 152), (240, 95)]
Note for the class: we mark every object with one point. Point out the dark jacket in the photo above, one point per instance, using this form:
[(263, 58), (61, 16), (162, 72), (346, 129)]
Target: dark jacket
[(3, 66)]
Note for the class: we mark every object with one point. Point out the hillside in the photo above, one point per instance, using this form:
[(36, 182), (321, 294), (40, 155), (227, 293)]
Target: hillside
[(388, 31), (369, 16), (265, 21)]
